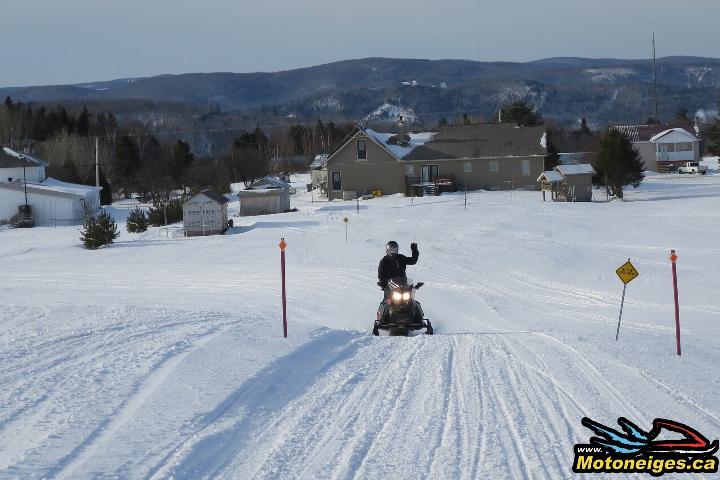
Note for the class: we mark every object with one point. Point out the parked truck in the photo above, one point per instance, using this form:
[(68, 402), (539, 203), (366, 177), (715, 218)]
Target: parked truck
[(692, 167)]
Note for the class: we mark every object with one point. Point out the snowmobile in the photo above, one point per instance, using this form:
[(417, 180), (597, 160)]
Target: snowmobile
[(400, 312)]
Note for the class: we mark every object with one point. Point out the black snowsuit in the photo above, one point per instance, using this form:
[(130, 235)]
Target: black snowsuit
[(393, 266)]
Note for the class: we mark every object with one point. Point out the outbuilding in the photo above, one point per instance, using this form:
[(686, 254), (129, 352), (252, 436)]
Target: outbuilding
[(50, 201), (570, 183), (205, 214), (266, 196)]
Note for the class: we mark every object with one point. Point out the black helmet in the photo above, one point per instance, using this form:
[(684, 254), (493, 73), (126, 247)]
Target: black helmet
[(392, 247)]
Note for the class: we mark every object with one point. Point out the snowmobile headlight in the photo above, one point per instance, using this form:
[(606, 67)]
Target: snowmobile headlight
[(397, 296), (406, 296)]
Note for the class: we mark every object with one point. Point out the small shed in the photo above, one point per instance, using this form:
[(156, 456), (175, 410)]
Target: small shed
[(570, 183), (205, 214), (267, 195)]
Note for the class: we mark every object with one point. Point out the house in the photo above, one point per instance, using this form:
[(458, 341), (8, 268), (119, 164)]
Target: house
[(571, 183), (664, 147), (492, 156), (318, 173), (266, 196), (52, 201), (205, 214)]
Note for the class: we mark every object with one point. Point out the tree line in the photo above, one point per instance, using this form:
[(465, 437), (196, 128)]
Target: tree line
[(136, 158)]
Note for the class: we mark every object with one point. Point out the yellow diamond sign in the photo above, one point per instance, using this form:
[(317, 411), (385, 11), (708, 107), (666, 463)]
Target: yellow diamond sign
[(627, 272)]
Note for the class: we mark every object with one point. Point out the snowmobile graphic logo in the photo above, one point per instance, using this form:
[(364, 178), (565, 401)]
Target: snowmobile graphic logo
[(668, 447)]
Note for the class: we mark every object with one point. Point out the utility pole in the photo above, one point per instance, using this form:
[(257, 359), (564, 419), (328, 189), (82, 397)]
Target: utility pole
[(654, 79), (97, 162), (24, 160)]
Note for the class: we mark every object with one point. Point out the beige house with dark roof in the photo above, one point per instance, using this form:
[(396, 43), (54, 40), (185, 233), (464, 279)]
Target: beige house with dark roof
[(491, 156), (664, 146)]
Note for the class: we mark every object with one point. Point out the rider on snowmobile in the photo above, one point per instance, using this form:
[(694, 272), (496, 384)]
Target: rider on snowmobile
[(393, 264)]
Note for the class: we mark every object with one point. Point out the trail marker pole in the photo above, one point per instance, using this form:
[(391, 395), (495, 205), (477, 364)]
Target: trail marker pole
[(346, 220), (627, 273), (673, 259), (282, 246), (357, 203)]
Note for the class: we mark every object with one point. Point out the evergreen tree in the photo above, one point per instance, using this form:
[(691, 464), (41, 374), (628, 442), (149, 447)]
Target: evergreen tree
[(106, 192), (137, 221), (682, 114), (584, 130), (181, 160), (126, 165), (98, 231), (173, 209), (552, 159), (521, 114), (83, 123), (618, 163), (713, 136)]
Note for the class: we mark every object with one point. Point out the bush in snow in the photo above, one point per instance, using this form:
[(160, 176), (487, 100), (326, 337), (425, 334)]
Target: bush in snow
[(137, 221), (98, 231), (156, 215)]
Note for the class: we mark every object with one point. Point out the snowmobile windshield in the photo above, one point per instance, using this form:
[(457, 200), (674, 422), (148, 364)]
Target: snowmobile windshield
[(400, 282)]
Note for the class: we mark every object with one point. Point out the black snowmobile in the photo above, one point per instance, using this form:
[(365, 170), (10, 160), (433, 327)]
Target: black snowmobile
[(400, 312)]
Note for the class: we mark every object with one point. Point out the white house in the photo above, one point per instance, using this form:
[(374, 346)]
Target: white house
[(53, 202), (664, 146)]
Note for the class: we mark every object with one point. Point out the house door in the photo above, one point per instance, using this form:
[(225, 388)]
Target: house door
[(663, 155), (429, 173)]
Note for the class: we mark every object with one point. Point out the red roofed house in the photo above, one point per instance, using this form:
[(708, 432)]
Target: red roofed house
[(663, 146)]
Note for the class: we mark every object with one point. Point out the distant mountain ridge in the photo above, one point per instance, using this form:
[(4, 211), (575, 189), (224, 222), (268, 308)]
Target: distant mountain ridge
[(563, 88)]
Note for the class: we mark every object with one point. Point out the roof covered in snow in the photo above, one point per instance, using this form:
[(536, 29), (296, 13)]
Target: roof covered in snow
[(319, 162), (51, 186), (10, 159), (214, 196), (268, 182), (578, 169), (551, 176), (484, 140), (680, 131), (644, 133), (401, 148)]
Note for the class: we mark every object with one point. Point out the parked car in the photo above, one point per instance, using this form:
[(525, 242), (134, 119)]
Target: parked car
[(693, 167)]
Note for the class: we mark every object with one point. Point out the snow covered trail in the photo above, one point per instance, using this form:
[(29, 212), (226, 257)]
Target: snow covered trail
[(162, 358), (502, 405)]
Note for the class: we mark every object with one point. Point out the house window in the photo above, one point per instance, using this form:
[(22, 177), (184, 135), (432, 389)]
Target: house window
[(429, 173), (410, 170), (361, 150), (493, 166), (467, 167), (684, 147), (670, 147), (336, 183), (526, 167)]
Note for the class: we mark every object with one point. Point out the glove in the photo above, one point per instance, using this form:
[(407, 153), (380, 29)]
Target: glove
[(413, 246)]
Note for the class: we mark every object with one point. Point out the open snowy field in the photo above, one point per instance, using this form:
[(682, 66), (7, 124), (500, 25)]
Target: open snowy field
[(163, 357)]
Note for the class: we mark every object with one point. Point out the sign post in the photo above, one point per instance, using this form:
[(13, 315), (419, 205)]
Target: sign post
[(346, 220), (282, 246), (627, 274), (673, 259)]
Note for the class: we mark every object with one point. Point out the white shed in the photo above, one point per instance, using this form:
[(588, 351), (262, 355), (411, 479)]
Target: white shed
[(205, 214)]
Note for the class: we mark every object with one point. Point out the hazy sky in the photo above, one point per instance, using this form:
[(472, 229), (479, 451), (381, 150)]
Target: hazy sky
[(67, 41)]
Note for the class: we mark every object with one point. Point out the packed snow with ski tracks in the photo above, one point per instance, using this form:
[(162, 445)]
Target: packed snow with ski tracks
[(163, 357)]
